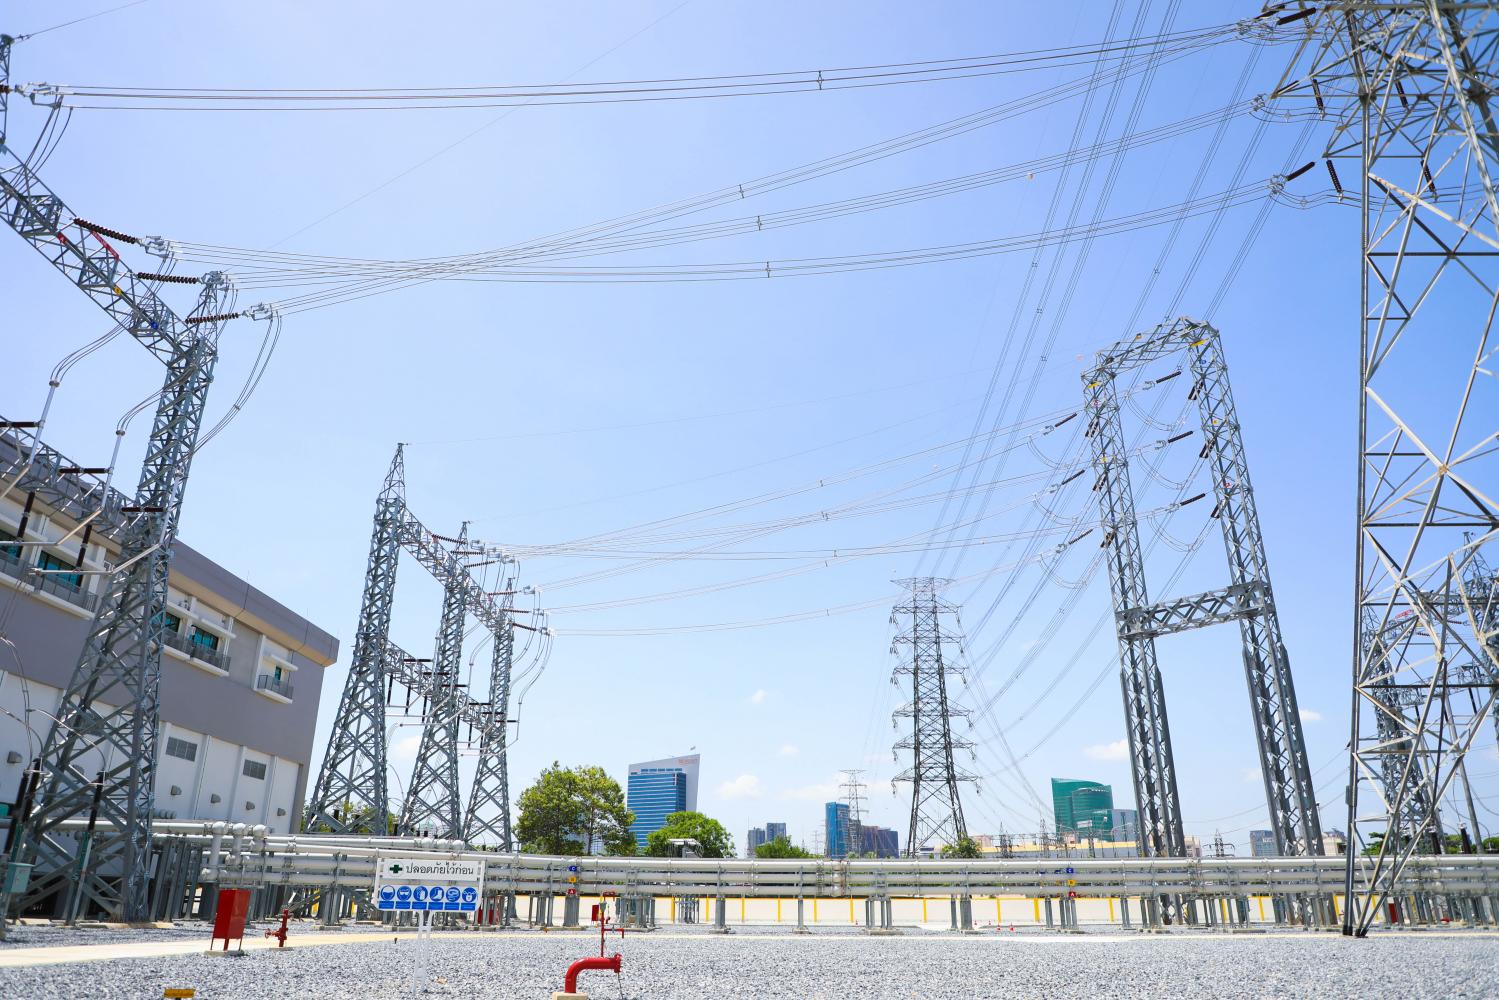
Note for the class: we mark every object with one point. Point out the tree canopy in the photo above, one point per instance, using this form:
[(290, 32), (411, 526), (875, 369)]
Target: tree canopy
[(713, 840), (966, 848), (782, 847), (569, 807)]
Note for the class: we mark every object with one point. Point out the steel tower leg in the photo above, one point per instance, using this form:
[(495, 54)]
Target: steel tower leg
[(1247, 599), (1408, 90), (488, 819), (432, 801), (350, 795)]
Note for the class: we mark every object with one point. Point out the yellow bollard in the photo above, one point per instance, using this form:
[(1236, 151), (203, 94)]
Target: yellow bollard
[(741, 909), (1036, 905), (814, 909), (851, 910), (923, 909), (1111, 909), (778, 909), (1262, 908), (996, 910)]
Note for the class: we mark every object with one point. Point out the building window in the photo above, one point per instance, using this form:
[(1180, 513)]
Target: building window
[(204, 638), (277, 675), (48, 561), (169, 621), (254, 769), (186, 749), (9, 551)]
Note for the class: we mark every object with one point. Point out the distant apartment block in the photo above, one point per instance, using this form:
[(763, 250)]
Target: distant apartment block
[(755, 838), (1262, 844), (656, 789)]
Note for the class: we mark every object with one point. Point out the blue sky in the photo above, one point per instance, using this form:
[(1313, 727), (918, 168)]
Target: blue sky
[(552, 412)]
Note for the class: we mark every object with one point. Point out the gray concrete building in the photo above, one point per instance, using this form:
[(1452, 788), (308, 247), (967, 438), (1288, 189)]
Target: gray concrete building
[(241, 674)]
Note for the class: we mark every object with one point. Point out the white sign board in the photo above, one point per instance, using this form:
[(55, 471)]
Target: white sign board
[(427, 884)]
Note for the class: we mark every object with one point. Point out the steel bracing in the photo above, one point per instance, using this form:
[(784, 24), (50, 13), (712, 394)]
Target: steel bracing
[(488, 818), (1408, 90), (108, 715), (431, 804), (933, 654), (351, 794), (1247, 599)]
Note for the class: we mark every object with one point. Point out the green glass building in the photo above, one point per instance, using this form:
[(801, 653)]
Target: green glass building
[(1084, 808)]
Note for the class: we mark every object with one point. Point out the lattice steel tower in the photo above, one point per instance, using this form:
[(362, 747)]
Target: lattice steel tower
[(1409, 90), (351, 795), (931, 652), (1247, 599), (109, 712), (488, 818), (431, 806)]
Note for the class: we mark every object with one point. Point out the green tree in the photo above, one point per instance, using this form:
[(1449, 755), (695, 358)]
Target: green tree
[(569, 807), (713, 840), (782, 847), (966, 848)]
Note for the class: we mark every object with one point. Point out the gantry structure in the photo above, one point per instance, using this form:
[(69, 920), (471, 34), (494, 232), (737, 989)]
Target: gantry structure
[(101, 749), (1408, 90), (351, 794), (1247, 599), (928, 645)]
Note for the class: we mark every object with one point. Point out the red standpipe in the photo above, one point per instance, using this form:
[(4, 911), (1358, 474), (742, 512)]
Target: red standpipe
[(280, 933), (584, 964)]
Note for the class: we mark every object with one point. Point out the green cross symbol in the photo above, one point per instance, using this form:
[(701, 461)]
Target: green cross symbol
[(395, 869)]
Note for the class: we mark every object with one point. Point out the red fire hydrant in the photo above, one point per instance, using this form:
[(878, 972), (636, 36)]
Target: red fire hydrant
[(280, 933)]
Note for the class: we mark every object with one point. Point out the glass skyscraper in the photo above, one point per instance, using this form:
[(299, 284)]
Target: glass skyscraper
[(658, 788), (835, 818), (1083, 807)]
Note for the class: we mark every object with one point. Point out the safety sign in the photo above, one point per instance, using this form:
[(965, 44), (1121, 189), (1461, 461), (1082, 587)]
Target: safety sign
[(428, 885)]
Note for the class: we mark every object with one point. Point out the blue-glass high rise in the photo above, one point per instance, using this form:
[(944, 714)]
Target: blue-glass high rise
[(836, 829), (658, 788)]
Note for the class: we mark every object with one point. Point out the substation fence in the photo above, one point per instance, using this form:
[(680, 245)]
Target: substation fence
[(332, 875)]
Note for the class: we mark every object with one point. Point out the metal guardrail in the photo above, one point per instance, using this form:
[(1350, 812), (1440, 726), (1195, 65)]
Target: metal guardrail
[(12, 565), (184, 644), (267, 682), (248, 859)]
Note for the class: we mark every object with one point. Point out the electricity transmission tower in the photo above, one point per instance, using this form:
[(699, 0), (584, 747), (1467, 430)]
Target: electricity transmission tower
[(488, 817), (109, 711), (853, 790), (431, 805), (351, 792), (350, 795), (1409, 90), (1247, 599), (934, 653)]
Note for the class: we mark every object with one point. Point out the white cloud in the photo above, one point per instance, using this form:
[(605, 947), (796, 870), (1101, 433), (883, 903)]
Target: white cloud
[(826, 792), (1310, 715), (405, 748), (746, 786), (789, 750), (1117, 750), (758, 698)]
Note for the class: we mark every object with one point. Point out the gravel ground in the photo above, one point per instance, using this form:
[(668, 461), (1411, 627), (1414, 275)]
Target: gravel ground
[(47, 936), (671, 965)]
